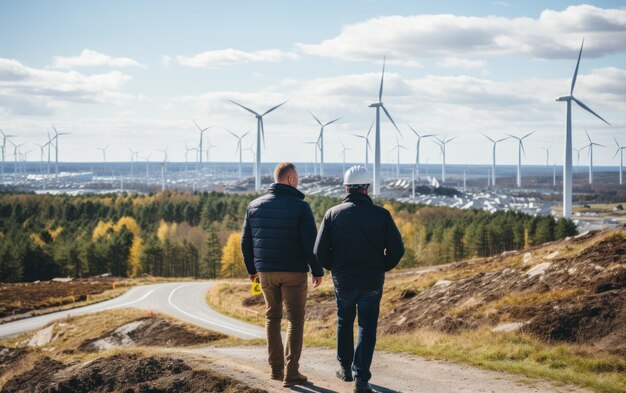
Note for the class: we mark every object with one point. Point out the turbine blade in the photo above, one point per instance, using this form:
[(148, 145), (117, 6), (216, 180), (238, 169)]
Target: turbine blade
[(331, 122), (316, 119), (244, 135), (616, 142), (370, 130), (617, 151), (392, 122), (488, 137), (523, 150), (412, 129), (271, 109), (529, 134), (588, 137), (589, 110), (358, 136), (246, 108), (571, 90), (262, 132), (382, 78), (232, 133), (194, 122)]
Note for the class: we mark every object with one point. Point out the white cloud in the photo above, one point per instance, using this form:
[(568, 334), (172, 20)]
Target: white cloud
[(226, 57), (27, 90), (554, 34), (455, 62), (91, 58)]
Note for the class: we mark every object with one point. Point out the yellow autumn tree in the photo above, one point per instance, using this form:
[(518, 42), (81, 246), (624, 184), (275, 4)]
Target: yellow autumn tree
[(101, 229), (134, 265), (232, 258)]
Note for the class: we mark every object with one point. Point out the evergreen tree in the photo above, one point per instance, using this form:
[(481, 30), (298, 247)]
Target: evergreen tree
[(212, 258)]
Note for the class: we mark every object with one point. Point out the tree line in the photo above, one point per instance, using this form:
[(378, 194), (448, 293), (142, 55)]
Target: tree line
[(177, 234)]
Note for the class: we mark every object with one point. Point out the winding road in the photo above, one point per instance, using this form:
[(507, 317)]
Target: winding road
[(183, 300)]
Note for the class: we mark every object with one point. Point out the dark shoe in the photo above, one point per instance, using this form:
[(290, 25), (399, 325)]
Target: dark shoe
[(344, 375), (279, 376), (368, 389), (294, 379)]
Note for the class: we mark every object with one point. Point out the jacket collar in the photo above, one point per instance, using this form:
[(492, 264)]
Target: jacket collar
[(279, 188), (358, 198)]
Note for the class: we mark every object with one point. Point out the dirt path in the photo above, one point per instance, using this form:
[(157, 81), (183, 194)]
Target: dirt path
[(391, 373)]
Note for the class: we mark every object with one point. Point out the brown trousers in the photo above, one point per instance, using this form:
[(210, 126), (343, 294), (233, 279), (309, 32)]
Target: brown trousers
[(289, 288)]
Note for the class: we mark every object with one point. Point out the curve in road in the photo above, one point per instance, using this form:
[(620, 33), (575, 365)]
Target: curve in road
[(183, 300)]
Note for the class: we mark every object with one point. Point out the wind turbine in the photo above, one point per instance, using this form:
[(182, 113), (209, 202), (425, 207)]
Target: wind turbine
[(442, 146), (202, 131), (343, 153), (520, 150), (378, 105), (368, 147), (547, 149), (164, 164), (208, 150), (567, 162), (239, 147), (134, 155), (578, 154), (397, 147), (104, 153), (417, 150), (320, 140), (316, 146), (187, 150), (4, 147), (493, 157), (147, 158), (590, 146), (15, 155), (56, 148), (260, 134), (620, 150)]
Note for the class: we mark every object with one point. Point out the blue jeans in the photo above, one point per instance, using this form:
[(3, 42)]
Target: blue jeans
[(367, 302)]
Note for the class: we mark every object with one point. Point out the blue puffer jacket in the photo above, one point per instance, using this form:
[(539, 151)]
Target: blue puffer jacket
[(279, 233)]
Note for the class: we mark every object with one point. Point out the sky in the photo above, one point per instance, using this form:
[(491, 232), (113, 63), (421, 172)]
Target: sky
[(135, 75)]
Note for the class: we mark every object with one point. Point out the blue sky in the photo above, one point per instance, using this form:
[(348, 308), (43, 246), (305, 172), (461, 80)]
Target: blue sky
[(134, 74)]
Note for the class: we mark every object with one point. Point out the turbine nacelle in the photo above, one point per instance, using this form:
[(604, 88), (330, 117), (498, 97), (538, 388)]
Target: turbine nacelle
[(564, 98), (376, 104)]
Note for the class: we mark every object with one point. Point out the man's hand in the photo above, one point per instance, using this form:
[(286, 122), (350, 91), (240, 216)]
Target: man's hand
[(252, 277), (316, 281)]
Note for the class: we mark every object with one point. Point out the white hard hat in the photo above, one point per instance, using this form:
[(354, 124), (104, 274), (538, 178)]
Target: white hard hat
[(356, 175)]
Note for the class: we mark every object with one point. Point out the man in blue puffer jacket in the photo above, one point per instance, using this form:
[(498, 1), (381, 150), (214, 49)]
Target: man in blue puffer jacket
[(277, 243)]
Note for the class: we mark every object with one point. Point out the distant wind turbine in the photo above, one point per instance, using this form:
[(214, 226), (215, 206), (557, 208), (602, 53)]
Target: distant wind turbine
[(316, 146), (417, 150), (397, 148), (368, 146), (567, 162), (493, 158), (547, 149), (239, 148), (377, 147), (57, 134), (343, 153), (320, 140), (4, 147), (520, 150), (202, 131), (620, 150), (442, 146), (260, 134), (590, 147), (104, 153)]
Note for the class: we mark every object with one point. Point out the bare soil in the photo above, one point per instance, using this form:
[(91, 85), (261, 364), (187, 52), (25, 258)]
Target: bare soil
[(150, 332), (128, 373), (10, 356), (23, 297)]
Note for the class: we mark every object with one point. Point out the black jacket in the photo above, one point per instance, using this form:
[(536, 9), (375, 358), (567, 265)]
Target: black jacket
[(279, 233), (358, 241)]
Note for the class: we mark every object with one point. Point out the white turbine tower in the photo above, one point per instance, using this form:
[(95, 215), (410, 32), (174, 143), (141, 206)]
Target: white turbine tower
[(316, 146), (57, 134), (442, 146), (165, 157), (133, 158), (4, 148), (493, 157), (520, 151), (202, 131), (187, 150), (368, 146), (590, 147), (417, 151), (377, 147), (620, 150), (547, 149), (343, 153), (567, 162), (260, 134), (239, 148), (320, 139)]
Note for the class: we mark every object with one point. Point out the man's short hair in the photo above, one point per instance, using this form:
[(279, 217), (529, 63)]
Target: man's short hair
[(356, 188), (283, 170)]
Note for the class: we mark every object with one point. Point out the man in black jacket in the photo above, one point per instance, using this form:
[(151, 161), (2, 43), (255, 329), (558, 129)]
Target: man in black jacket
[(358, 241), (277, 244)]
